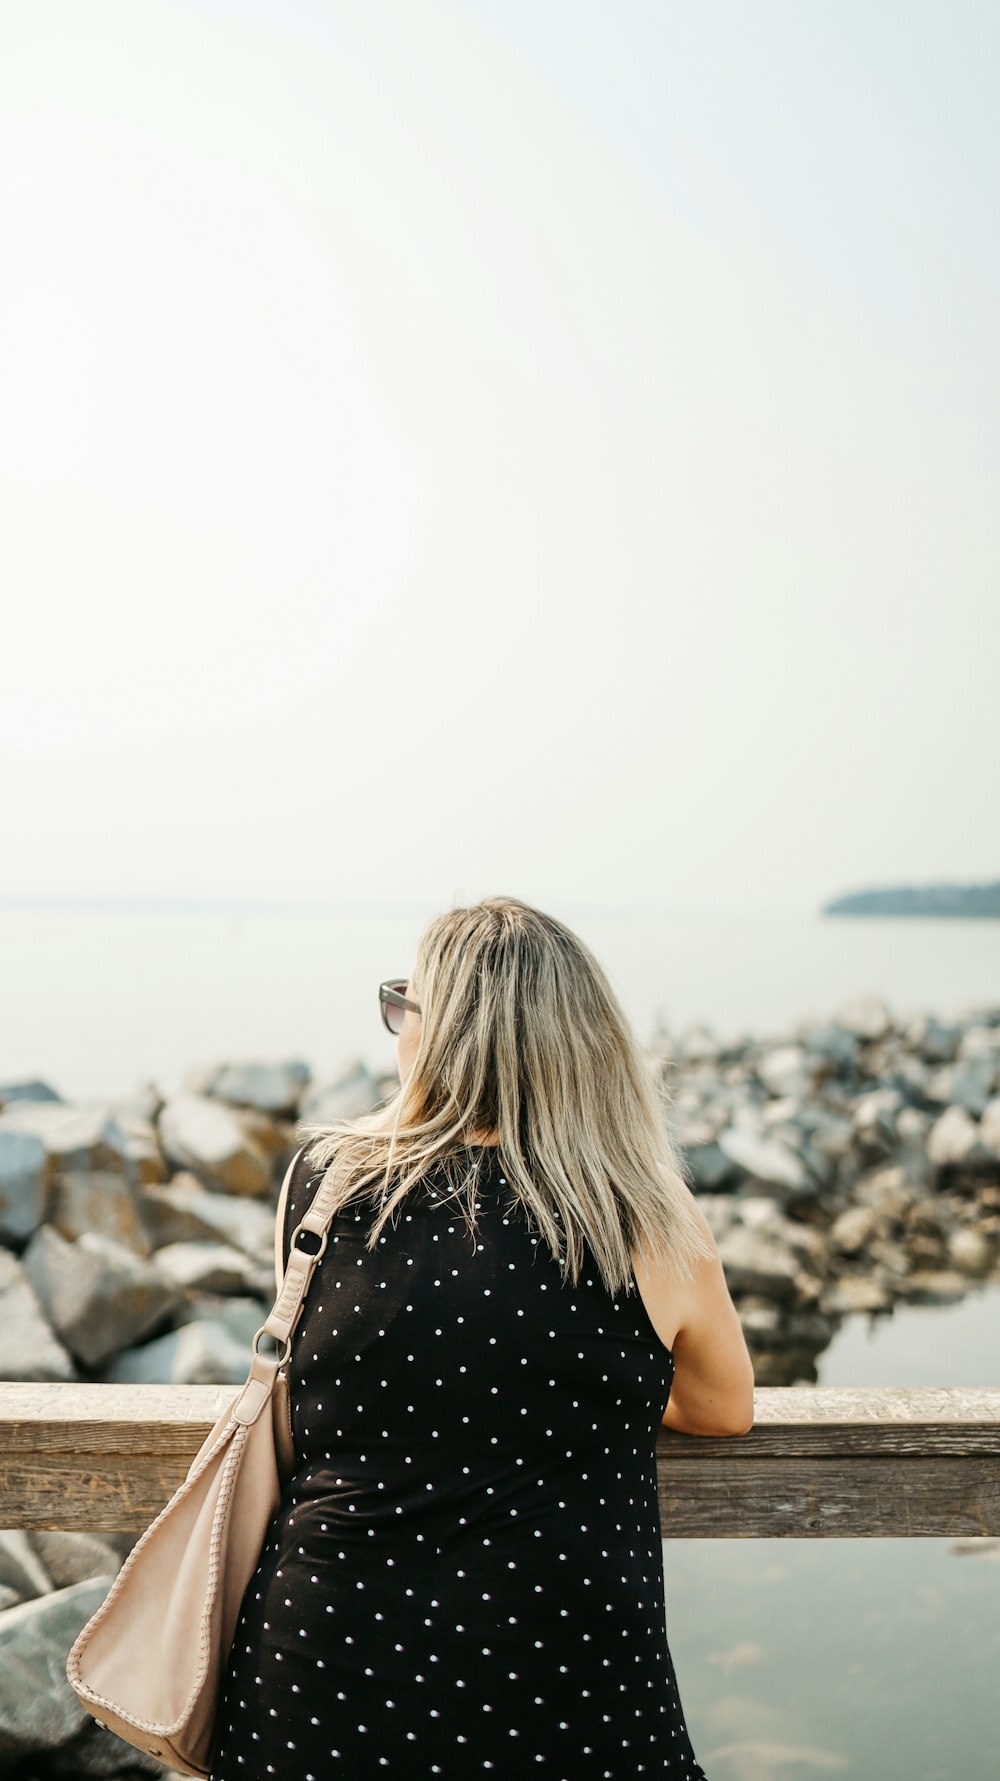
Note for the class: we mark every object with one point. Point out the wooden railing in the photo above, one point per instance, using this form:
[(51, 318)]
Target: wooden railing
[(824, 1463)]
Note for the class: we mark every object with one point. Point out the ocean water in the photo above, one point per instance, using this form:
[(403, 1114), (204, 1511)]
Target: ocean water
[(868, 1659), (95, 1000)]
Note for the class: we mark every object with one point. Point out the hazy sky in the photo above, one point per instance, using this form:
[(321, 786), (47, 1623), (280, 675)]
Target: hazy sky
[(534, 447)]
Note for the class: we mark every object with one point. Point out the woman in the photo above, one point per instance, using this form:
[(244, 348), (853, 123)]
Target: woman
[(465, 1575)]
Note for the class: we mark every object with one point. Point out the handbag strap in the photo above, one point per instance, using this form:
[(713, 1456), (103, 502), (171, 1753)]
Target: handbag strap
[(293, 1280)]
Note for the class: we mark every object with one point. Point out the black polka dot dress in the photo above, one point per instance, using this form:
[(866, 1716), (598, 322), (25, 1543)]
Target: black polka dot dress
[(464, 1577)]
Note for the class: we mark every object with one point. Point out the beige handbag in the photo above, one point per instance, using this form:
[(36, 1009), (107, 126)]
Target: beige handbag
[(149, 1664)]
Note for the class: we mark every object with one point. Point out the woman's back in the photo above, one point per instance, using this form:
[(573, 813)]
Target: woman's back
[(465, 1574)]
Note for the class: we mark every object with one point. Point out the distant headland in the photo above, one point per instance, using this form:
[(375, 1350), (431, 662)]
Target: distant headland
[(967, 900)]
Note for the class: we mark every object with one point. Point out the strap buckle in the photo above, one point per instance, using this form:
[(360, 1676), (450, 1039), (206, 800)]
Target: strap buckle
[(313, 1254)]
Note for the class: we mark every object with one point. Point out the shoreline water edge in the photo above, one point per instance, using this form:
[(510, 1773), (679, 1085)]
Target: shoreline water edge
[(845, 1166)]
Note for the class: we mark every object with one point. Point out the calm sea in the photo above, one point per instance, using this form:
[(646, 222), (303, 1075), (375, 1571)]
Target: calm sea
[(98, 999)]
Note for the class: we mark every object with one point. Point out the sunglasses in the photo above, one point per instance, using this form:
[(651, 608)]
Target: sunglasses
[(393, 1004)]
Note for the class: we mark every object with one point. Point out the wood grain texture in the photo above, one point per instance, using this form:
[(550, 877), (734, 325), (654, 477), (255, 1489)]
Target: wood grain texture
[(818, 1462)]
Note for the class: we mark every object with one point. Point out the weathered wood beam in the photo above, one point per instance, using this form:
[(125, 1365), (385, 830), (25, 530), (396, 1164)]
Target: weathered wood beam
[(818, 1462)]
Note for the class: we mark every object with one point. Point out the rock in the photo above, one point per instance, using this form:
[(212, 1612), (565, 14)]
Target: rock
[(198, 1353), (886, 1191), (936, 1040), (211, 1267), (933, 1286), (866, 1016), (954, 1142), (185, 1212), (889, 1261), (97, 1755), (853, 1229), (24, 1184), (786, 1071), (855, 1292), (697, 1044), (97, 1200), (830, 1045), (911, 1076), (28, 1347), (72, 1558), (709, 1164), (239, 1317), (210, 1140), (912, 1127), (968, 1084), (83, 1134), (969, 1251), (269, 1086), (38, 1710), (764, 1159), (761, 1321), (346, 1094), (98, 1295), (832, 1138), (980, 1042), (874, 1119), (27, 1090), (781, 1113), (275, 1138), (753, 1265), (21, 1568), (989, 1127), (720, 1212), (135, 1123)]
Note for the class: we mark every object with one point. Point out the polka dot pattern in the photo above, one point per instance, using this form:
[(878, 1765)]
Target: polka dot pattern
[(464, 1576)]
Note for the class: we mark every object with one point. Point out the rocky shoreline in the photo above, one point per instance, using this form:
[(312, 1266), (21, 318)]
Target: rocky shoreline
[(844, 1166)]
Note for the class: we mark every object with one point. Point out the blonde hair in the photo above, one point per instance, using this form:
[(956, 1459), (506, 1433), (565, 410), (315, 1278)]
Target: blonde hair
[(522, 1035)]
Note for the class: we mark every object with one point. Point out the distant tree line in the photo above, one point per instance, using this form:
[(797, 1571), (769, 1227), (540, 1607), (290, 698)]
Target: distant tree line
[(926, 899)]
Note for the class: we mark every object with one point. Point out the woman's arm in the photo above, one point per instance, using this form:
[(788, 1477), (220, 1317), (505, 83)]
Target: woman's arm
[(712, 1390)]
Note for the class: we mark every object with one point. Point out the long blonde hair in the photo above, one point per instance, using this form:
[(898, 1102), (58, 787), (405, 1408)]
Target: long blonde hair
[(522, 1035)]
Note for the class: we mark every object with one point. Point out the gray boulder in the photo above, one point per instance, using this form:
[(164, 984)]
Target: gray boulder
[(28, 1347), (969, 1251), (936, 1040), (97, 1294), (239, 1317), (211, 1267), (866, 1016), (183, 1211), (787, 1071), (198, 1353), (39, 1713), (708, 1164), (21, 1568), (989, 1127), (968, 1083), (211, 1140), (270, 1087), (766, 1160), (830, 1045), (24, 1185), (72, 1557), (852, 1231), (30, 1089), (954, 1141), (97, 1200), (980, 1041), (753, 1264), (347, 1093), (874, 1119)]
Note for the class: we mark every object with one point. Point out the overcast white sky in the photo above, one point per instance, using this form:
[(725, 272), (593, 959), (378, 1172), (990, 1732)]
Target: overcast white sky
[(455, 448)]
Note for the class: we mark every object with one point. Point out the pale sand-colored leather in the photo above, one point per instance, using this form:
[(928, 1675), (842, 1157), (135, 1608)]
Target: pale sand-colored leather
[(149, 1663)]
